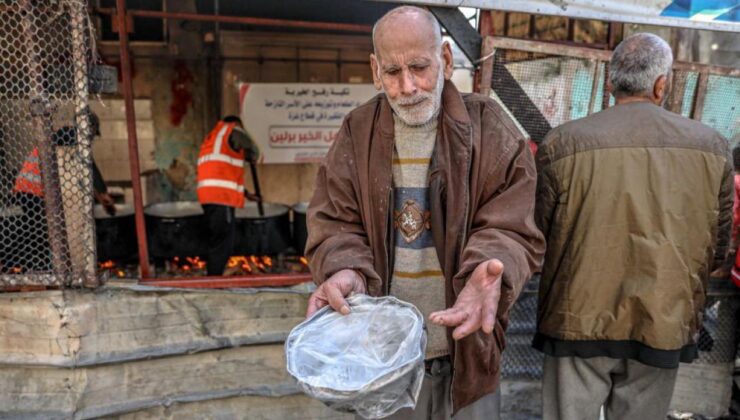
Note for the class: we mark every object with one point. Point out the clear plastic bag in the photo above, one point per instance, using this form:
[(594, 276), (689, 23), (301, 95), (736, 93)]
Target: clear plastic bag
[(370, 362)]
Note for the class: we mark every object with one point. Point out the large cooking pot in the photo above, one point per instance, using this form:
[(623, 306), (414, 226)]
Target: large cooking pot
[(300, 229), (268, 234), (176, 229), (115, 235)]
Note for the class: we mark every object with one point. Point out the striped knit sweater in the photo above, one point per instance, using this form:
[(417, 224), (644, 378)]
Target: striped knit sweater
[(417, 275)]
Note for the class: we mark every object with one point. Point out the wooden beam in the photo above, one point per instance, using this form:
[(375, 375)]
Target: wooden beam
[(700, 94), (486, 67), (73, 328)]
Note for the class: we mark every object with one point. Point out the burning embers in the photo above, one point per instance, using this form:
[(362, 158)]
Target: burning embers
[(248, 265), (240, 265), (116, 269)]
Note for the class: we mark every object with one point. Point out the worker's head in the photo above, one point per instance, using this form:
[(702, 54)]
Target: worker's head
[(411, 62), (640, 67), (736, 158), (232, 119)]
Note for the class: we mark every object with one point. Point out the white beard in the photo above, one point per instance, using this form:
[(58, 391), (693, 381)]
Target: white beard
[(424, 111)]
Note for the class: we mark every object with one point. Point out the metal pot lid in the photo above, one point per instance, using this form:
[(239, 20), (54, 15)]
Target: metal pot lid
[(174, 209), (250, 211), (122, 210), (301, 207)]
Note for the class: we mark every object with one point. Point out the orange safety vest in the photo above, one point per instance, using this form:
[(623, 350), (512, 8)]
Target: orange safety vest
[(220, 169), (29, 178)]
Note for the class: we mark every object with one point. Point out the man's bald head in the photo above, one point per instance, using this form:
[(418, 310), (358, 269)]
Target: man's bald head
[(404, 19)]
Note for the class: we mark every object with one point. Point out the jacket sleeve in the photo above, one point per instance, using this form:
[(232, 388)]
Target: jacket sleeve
[(240, 139), (546, 198), (337, 238), (503, 224), (724, 225)]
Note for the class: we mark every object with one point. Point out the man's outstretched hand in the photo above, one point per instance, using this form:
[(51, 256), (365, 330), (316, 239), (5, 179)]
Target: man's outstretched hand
[(476, 305), (334, 290)]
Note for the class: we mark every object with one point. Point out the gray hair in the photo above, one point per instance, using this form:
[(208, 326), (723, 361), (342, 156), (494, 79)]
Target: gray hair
[(638, 62), (426, 14)]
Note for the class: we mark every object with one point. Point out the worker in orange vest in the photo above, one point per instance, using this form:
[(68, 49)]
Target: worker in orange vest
[(32, 250), (221, 186)]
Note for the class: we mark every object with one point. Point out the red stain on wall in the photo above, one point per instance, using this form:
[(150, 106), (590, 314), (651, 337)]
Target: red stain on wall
[(182, 95)]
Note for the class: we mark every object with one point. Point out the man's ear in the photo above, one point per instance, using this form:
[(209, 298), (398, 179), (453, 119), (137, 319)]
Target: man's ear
[(660, 89), (447, 60), (375, 67)]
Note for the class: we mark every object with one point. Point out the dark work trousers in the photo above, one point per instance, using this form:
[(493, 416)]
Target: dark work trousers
[(221, 234), (30, 250)]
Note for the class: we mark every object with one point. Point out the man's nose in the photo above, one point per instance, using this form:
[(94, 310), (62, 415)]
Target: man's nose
[(408, 83)]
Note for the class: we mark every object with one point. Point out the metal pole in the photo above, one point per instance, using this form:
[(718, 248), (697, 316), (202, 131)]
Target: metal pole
[(85, 257), (232, 282), (257, 190), (133, 147), (330, 26), (41, 110)]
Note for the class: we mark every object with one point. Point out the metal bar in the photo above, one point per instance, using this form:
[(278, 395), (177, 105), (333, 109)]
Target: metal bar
[(235, 58), (676, 94), (614, 35), (571, 30), (532, 26), (84, 258), (700, 94), (330, 26), (41, 111), (556, 48), (519, 103), (232, 282), (458, 27), (12, 280), (485, 29), (584, 10), (133, 147), (551, 48), (486, 66), (257, 189), (594, 87), (605, 99), (705, 68)]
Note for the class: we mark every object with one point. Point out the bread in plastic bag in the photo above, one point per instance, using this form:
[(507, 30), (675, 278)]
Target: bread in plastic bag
[(370, 362)]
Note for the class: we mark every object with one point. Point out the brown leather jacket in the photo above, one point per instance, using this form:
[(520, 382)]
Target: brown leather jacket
[(482, 184)]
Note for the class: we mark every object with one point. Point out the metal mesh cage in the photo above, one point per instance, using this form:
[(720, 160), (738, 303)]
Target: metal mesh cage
[(46, 198), (717, 341), (545, 85)]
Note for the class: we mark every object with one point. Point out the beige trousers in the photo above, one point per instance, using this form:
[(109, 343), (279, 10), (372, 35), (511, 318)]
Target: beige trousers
[(574, 388)]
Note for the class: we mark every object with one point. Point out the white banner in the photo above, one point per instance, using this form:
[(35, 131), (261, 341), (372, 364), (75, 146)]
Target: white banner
[(297, 122), (716, 15)]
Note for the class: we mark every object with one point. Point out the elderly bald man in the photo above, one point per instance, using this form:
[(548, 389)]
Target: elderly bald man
[(636, 206), (428, 195)]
